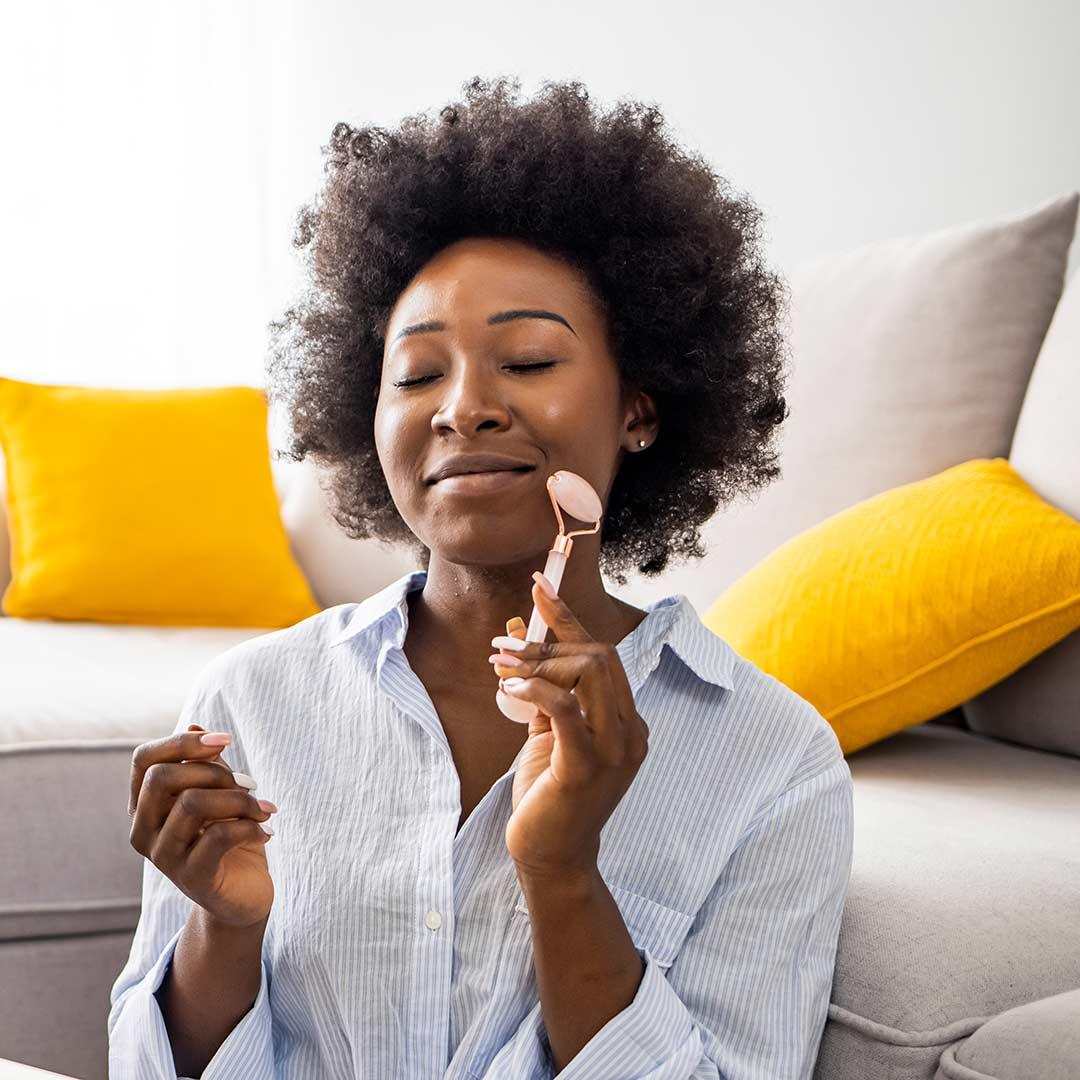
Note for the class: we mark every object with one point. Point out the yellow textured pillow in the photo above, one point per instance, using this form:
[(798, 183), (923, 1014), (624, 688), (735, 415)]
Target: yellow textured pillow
[(909, 603), (145, 506)]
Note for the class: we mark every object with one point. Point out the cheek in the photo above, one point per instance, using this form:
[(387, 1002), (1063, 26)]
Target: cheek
[(577, 415), (394, 435)]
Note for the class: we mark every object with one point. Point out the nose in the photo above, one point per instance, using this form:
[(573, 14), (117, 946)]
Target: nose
[(472, 400)]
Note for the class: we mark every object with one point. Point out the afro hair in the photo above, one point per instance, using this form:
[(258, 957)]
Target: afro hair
[(673, 256)]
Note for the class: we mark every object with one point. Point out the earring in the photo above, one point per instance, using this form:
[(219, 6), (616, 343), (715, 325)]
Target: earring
[(641, 443)]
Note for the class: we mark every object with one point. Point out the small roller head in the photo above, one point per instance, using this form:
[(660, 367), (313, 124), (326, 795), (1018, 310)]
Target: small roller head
[(575, 495)]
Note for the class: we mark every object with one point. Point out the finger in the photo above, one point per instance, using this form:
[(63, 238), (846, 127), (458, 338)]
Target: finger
[(539, 650), (563, 622), (195, 808), (185, 746), (587, 676), (523, 658), (218, 760), (163, 783), (567, 669), (567, 721), (516, 629)]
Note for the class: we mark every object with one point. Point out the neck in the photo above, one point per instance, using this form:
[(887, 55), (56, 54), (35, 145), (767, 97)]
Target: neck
[(462, 607)]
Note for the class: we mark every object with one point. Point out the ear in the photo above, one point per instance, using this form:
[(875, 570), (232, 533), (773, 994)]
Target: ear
[(642, 421)]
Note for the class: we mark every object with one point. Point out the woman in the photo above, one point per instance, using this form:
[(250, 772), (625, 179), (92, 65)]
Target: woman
[(648, 879)]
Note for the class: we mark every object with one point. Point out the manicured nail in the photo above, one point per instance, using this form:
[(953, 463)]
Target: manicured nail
[(216, 738), (511, 684), (502, 660), (512, 643), (545, 585), (516, 623), (245, 781), (267, 828), (267, 806)]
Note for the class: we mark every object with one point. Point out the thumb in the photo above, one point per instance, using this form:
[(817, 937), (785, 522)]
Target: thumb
[(515, 627), (216, 759)]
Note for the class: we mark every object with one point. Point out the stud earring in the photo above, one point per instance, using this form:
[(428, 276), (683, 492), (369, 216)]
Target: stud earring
[(641, 443)]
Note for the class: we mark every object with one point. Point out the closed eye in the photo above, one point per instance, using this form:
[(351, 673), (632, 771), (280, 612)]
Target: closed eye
[(510, 367), (526, 367)]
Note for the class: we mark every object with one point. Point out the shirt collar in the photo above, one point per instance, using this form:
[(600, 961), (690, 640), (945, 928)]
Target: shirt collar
[(670, 621)]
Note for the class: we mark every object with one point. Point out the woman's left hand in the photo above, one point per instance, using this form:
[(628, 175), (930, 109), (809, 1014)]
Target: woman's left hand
[(583, 750)]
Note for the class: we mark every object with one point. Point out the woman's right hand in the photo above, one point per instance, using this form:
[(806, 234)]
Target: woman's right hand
[(201, 828)]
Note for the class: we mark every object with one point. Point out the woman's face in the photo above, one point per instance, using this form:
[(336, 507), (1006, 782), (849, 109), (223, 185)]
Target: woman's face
[(478, 397)]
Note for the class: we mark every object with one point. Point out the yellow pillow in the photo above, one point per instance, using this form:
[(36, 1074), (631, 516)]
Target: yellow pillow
[(145, 506), (909, 603)]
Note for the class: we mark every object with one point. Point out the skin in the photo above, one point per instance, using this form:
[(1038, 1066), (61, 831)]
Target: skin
[(587, 741), (574, 415)]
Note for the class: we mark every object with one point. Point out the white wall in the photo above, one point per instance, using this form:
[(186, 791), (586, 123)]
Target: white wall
[(155, 153)]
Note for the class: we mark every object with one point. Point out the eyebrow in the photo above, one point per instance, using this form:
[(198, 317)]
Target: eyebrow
[(500, 317)]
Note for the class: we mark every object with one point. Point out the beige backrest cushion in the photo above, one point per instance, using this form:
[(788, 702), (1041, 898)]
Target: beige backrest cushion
[(339, 570), (908, 356), (1039, 705)]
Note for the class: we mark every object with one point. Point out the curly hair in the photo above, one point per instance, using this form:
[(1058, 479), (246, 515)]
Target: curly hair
[(693, 315)]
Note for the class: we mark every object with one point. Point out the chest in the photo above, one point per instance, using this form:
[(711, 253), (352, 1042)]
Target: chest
[(483, 744)]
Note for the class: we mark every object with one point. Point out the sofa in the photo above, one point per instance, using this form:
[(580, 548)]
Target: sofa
[(959, 949)]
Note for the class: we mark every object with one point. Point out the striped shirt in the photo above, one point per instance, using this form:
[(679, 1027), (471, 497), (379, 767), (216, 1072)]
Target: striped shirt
[(398, 946)]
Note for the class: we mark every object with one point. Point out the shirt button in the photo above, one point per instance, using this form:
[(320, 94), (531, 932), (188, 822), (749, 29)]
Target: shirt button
[(433, 920)]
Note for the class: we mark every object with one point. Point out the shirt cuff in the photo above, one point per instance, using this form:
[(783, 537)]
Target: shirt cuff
[(654, 1036), (139, 1043)]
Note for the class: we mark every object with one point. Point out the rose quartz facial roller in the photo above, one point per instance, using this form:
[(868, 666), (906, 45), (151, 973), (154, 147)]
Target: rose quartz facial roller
[(577, 497)]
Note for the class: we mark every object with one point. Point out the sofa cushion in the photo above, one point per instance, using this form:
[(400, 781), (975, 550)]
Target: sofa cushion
[(1040, 704), (88, 680), (76, 698), (151, 507), (909, 355), (904, 605), (1038, 1041), (962, 900)]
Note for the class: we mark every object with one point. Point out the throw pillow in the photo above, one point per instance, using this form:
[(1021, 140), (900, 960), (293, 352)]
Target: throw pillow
[(145, 506), (907, 604)]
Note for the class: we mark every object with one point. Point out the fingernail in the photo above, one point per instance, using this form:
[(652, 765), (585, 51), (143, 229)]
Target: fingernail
[(245, 781), (516, 623), (502, 660), (512, 643), (510, 684), (267, 828), (545, 585), (216, 738), (267, 806)]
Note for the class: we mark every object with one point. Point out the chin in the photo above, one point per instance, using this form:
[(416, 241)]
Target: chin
[(489, 548)]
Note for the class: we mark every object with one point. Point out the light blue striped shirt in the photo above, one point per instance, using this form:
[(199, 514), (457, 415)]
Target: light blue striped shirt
[(399, 947)]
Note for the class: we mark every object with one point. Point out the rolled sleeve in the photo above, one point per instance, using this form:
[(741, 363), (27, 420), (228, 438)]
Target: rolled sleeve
[(748, 994), (139, 1045)]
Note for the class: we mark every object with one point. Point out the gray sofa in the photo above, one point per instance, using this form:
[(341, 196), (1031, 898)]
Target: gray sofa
[(959, 950)]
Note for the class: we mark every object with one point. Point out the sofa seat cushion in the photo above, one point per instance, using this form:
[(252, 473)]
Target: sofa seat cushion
[(75, 699), (962, 900), (62, 679)]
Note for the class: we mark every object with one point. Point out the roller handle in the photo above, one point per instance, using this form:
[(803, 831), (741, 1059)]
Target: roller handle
[(513, 708), (553, 571)]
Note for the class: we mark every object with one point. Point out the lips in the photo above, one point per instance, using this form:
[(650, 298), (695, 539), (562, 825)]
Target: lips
[(465, 464), (481, 472)]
